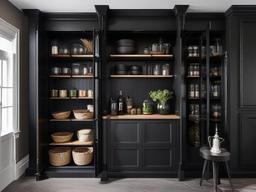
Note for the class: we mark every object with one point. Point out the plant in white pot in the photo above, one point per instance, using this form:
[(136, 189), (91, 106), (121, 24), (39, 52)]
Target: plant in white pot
[(162, 98)]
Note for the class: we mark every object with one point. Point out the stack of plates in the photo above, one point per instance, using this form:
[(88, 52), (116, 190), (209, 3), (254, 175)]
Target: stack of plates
[(125, 46)]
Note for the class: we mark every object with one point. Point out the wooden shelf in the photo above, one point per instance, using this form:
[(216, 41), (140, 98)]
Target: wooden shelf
[(78, 120), (59, 98), (141, 76), (72, 56), (141, 56), (82, 76), (71, 143), (82, 56), (60, 56), (72, 98), (193, 76), (150, 117), (71, 76), (60, 76)]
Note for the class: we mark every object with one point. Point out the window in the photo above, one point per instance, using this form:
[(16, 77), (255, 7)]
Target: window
[(9, 75)]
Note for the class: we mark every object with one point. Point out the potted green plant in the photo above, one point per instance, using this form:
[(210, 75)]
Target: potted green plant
[(162, 97)]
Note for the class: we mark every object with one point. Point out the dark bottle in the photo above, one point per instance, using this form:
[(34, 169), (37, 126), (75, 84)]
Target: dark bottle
[(113, 106), (121, 103)]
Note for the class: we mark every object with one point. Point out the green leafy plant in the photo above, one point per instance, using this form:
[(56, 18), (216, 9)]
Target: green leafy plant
[(161, 96)]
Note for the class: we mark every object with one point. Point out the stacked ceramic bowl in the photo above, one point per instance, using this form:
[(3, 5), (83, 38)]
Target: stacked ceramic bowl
[(125, 46)]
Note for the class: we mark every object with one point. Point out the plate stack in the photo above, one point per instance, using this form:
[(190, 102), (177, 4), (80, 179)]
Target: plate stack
[(125, 46)]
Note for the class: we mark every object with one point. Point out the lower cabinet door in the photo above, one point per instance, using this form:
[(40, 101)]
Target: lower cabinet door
[(142, 145)]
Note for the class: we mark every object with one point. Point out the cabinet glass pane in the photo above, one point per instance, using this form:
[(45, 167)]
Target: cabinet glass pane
[(7, 97), (1, 75), (7, 73), (7, 120)]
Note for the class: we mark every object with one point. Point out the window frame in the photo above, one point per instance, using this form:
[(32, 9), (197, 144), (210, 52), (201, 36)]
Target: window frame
[(12, 33)]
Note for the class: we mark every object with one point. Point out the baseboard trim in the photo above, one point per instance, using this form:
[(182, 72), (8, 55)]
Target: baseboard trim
[(21, 167)]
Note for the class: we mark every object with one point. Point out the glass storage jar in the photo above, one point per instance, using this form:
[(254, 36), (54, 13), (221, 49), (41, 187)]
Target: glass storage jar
[(75, 68), (147, 107)]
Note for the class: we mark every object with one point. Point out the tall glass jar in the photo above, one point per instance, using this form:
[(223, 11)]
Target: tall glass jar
[(147, 108)]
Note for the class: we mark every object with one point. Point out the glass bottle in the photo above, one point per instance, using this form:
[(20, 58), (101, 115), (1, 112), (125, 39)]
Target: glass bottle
[(197, 95), (129, 105), (191, 91), (113, 106), (121, 103)]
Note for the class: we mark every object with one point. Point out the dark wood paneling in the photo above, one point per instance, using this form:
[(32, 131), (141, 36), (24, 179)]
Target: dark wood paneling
[(124, 158), (247, 132), (125, 132), (157, 158), (157, 133), (247, 63)]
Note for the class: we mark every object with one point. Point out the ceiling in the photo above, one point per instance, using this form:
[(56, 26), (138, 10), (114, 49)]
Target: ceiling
[(88, 5)]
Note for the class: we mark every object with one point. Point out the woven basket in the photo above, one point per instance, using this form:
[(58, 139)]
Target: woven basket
[(82, 155), (82, 114), (61, 137), (61, 115), (60, 156)]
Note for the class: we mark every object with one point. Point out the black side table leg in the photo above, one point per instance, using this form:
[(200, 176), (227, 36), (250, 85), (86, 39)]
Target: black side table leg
[(229, 176), (214, 171), (217, 173), (203, 173)]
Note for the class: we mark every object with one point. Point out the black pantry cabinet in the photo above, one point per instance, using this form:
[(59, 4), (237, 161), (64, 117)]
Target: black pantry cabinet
[(146, 146), (241, 92)]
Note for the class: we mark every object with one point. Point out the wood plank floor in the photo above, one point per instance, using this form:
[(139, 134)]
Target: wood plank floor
[(28, 184)]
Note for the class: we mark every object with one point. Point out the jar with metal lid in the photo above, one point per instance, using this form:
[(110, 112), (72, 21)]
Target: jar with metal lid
[(191, 91), (197, 94), (215, 91), (129, 105), (54, 93), (55, 70), (216, 111), (54, 48), (190, 51), (75, 68), (66, 71), (147, 107), (157, 70), (63, 93), (166, 69), (73, 93)]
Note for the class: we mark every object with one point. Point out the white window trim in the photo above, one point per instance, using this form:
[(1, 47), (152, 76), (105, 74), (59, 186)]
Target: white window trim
[(10, 32)]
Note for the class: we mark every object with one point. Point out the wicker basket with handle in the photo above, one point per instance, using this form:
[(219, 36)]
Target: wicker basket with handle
[(82, 155), (60, 156)]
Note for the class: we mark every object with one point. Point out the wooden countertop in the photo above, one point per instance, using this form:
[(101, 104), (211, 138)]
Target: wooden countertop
[(149, 117)]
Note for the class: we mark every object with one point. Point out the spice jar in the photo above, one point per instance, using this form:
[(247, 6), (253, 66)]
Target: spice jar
[(75, 68), (73, 93), (63, 93), (191, 91), (54, 93), (55, 48), (190, 51), (90, 93), (216, 111), (197, 91), (215, 91), (84, 70), (166, 69), (82, 93), (147, 107), (157, 70), (56, 71), (129, 105), (66, 71)]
